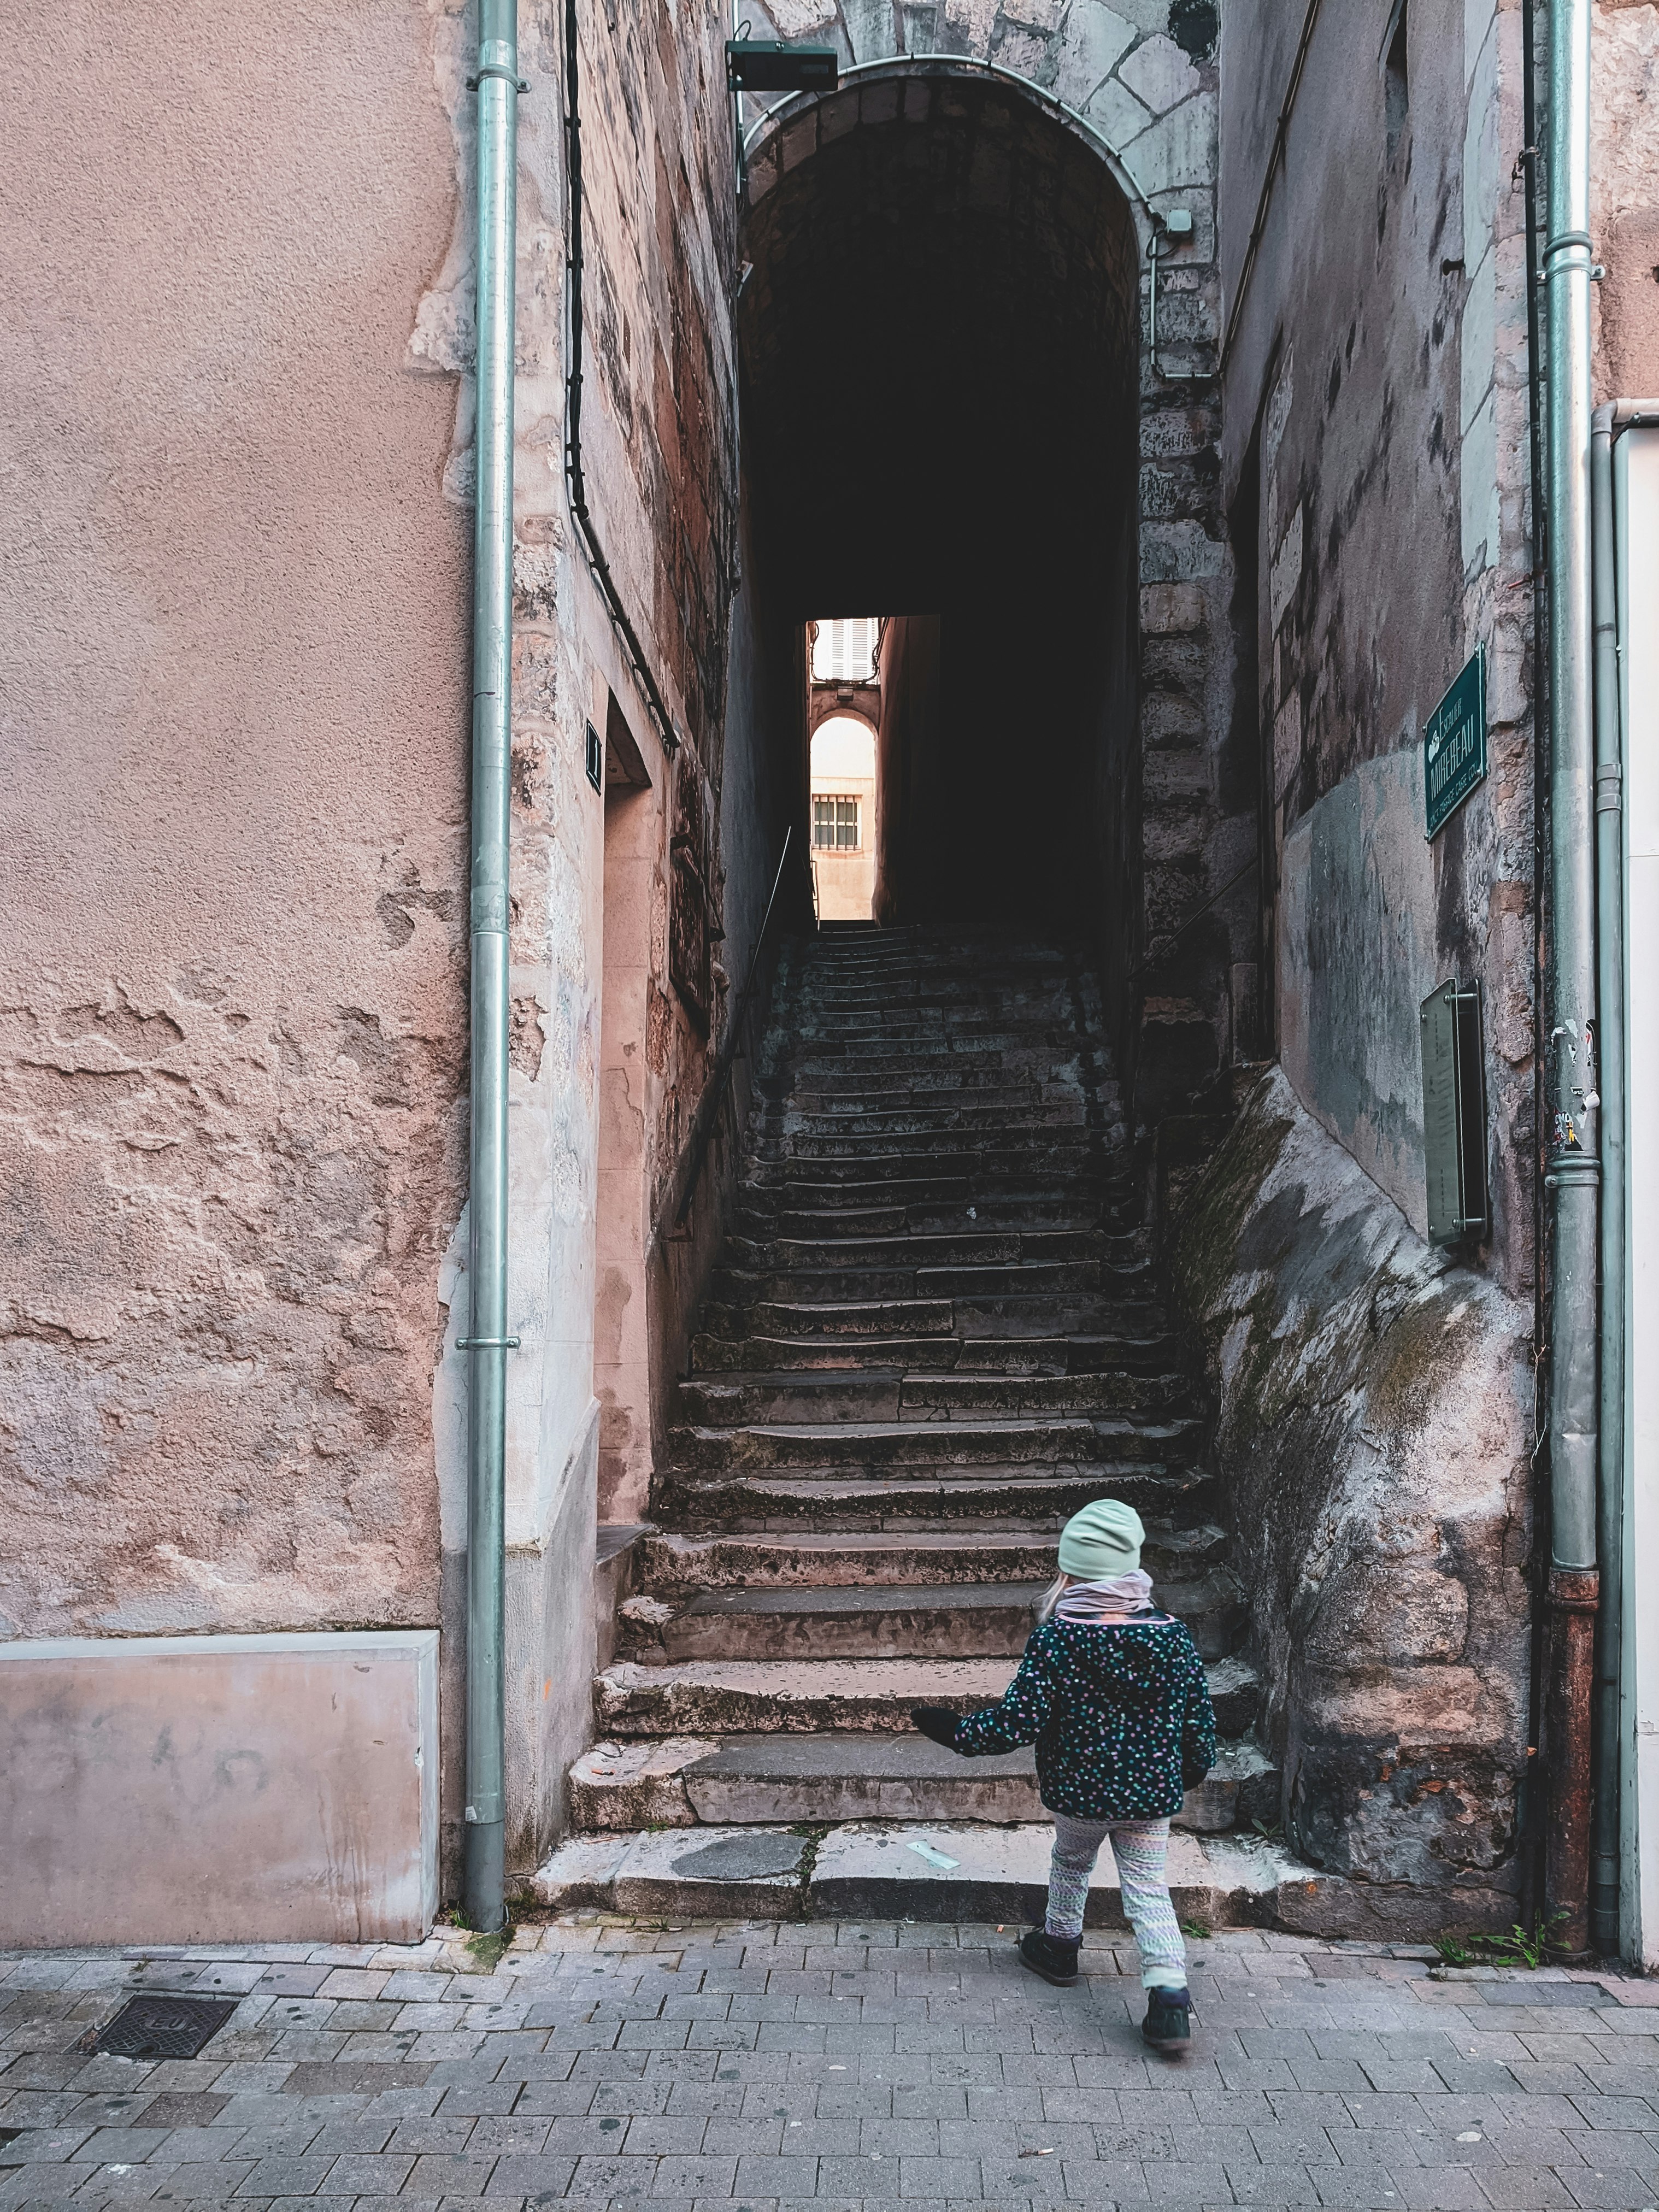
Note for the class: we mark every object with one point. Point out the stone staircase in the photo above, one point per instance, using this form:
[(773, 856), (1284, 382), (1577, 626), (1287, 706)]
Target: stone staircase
[(933, 1334)]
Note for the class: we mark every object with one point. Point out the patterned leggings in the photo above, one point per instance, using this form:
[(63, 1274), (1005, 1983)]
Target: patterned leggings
[(1140, 1848)]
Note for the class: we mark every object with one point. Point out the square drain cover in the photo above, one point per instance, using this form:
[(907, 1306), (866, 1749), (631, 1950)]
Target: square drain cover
[(158, 2025)]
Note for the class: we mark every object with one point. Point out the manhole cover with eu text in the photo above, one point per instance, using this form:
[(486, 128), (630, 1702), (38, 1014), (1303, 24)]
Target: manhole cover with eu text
[(158, 2025)]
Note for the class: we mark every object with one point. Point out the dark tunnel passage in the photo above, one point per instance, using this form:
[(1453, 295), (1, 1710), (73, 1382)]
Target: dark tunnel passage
[(939, 332)]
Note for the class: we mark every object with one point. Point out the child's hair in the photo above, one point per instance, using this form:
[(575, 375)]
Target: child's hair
[(1053, 1594)]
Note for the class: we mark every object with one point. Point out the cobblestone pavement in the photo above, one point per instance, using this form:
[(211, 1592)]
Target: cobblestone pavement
[(608, 2061)]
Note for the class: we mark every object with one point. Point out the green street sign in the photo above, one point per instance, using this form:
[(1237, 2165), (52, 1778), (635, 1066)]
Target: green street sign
[(1454, 743)]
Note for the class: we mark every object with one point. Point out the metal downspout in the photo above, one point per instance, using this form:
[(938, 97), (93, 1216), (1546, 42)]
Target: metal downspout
[(485, 1831), (1605, 1851), (1572, 1169)]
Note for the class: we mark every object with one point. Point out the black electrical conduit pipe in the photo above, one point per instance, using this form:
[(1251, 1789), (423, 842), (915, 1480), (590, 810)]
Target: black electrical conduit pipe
[(575, 481)]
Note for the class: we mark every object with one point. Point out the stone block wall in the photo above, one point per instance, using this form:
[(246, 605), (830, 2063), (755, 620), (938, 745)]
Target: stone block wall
[(1373, 1436)]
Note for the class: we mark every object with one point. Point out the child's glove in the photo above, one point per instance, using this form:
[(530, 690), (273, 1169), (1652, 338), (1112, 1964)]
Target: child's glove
[(936, 1722)]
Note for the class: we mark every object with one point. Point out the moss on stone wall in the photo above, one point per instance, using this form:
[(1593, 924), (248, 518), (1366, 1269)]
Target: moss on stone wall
[(1371, 1449)]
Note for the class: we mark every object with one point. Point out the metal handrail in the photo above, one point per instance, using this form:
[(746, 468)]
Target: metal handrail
[(708, 1106)]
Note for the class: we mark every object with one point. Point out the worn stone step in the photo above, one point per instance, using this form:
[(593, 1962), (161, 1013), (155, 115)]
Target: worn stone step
[(963, 1620), (762, 1216), (965, 1871), (891, 1394), (1021, 1143), (1065, 1440), (969, 1246), (719, 1697), (965, 1216), (867, 1176), (981, 1355), (674, 1565), (682, 1781), (813, 1124), (845, 1286), (958, 1620), (844, 1317), (963, 1081), (980, 1497)]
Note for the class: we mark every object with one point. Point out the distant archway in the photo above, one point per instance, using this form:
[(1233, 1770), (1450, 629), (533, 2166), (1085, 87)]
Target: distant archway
[(941, 345), (844, 805)]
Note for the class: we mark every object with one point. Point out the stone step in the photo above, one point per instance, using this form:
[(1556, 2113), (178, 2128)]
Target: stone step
[(981, 1355), (992, 1876), (960, 1621), (887, 1176), (847, 1285), (1011, 1315), (891, 1394), (964, 1215), (1041, 1053), (816, 1124), (950, 1621), (849, 1318), (722, 1697), (1026, 1142), (1065, 1440), (970, 1084), (984, 1497), (679, 1781), (969, 1246), (674, 1566)]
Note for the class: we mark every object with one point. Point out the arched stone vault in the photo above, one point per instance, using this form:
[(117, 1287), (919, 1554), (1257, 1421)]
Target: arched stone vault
[(1137, 111)]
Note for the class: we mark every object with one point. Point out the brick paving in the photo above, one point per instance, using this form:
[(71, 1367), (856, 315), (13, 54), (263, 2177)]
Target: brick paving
[(650, 2068)]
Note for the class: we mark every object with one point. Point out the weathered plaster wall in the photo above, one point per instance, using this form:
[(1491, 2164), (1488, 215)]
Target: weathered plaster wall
[(233, 1040), (1375, 1424), (1624, 198), (1376, 397), (609, 1057), (232, 686)]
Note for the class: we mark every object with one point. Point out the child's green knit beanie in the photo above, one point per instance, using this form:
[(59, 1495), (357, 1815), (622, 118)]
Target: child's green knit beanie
[(1102, 1540)]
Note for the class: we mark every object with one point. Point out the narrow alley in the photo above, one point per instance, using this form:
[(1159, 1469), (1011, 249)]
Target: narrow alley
[(828, 1052), (936, 1329)]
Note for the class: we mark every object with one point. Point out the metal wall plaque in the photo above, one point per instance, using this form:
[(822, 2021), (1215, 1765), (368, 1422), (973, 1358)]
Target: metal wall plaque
[(1454, 743), (1454, 1113)]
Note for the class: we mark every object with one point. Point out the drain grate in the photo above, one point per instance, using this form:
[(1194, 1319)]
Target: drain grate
[(159, 2024)]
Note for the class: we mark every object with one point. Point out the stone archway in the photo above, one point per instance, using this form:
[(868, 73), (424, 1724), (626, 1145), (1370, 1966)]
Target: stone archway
[(1164, 727)]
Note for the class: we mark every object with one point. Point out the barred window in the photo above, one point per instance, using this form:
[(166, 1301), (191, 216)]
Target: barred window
[(835, 824)]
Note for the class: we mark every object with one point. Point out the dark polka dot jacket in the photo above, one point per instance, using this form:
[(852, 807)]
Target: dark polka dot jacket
[(1120, 1714)]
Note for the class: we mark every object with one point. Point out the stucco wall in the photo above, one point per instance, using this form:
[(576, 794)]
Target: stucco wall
[(233, 680), (1624, 198), (609, 1058), (236, 616)]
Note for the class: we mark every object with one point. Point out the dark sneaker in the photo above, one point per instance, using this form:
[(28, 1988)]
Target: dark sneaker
[(1169, 2022), (1054, 1957)]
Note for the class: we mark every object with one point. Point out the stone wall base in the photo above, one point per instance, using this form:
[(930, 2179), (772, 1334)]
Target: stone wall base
[(1371, 1442), (220, 1788)]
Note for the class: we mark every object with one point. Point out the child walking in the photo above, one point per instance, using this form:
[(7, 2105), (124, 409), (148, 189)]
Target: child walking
[(1113, 1693)]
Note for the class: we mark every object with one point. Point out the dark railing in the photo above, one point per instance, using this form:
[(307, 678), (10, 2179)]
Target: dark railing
[(671, 1226)]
